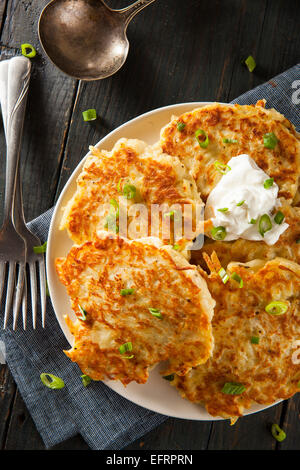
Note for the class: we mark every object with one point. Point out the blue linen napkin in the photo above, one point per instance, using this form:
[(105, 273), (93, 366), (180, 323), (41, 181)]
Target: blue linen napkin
[(103, 418)]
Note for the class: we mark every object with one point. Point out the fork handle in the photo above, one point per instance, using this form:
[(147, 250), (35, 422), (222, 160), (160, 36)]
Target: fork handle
[(18, 77)]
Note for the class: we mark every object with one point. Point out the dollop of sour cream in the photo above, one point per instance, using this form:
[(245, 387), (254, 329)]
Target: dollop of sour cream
[(242, 198)]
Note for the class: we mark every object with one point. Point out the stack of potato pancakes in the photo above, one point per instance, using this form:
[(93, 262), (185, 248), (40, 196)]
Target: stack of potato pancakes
[(226, 316)]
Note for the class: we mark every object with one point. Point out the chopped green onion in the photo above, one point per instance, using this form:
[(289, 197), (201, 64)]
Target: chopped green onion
[(233, 388), (278, 433), (218, 233), (111, 218), (264, 225), (169, 377), (86, 380), (230, 141), (129, 191), (223, 275), (203, 143), (224, 209), (83, 313), (270, 140), (176, 247), (268, 183), (221, 167), (125, 347), (253, 221), (155, 312), (119, 186), (127, 292), (128, 357), (240, 203), (28, 50), (254, 339), (89, 115), (250, 62), (52, 381), (238, 279), (40, 249), (276, 308), (180, 126), (279, 217)]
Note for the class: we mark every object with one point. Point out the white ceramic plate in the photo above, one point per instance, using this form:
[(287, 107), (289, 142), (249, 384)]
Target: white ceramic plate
[(157, 394)]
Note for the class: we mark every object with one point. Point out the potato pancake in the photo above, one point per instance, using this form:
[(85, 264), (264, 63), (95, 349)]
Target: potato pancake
[(226, 131), (132, 180), (256, 327), (137, 303)]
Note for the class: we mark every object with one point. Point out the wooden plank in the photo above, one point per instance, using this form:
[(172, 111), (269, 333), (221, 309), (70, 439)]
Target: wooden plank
[(7, 392)]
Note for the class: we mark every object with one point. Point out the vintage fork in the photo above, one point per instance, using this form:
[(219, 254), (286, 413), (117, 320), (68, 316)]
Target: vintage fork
[(8, 70)]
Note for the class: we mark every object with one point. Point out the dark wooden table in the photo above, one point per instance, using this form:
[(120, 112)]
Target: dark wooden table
[(181, 50)]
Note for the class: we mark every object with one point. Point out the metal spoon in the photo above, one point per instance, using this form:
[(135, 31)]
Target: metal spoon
[(85, 38)]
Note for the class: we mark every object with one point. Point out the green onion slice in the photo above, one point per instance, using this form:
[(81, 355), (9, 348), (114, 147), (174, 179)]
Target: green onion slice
[(169, 377), (253, 221), (83, 313), (223, 209), (40, 249), (124, 348), (155, 312), (203, 143), (264, 224), (89, 115), (279, 217), (238, 279), (250, 62), (125, 292), (218, 233), (278, 433), (270, 140), (254, 339), (230, 141), (233, 388), (128, 357), (240, 203), (268, 183), (276, 308), (222, 167), (86, 380), (52, 381), (180, 126), (28, 50), (223, 275), (129, 191), (176, 247)]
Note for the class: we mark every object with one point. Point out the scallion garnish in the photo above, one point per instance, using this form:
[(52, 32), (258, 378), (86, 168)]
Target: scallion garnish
[(223, 275), (169, 377), (155, 312), (129, 191), (264, 224), (218, 233), (125, 292), (203, 143), (28, 50), (276, 308), (86, 380), (124, 348), (52, 381), (250, 62), (279, 217), (40, 249), (278, 433), (240, 203), (83, 313), (180, 126), (254, 339), (89, 115), (238, 279), (268, 183), (230, 141), (253, 221), (176, 247), (223, 209), (270, 140), (233, 388), (221, 167)]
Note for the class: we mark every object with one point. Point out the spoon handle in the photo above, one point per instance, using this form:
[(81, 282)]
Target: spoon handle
[(130, 11)]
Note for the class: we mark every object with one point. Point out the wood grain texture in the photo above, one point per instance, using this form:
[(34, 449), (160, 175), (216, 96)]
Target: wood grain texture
[(179, 51)]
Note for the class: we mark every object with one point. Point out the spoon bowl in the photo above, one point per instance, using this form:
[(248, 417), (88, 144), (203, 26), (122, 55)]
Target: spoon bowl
[(85, 38)]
